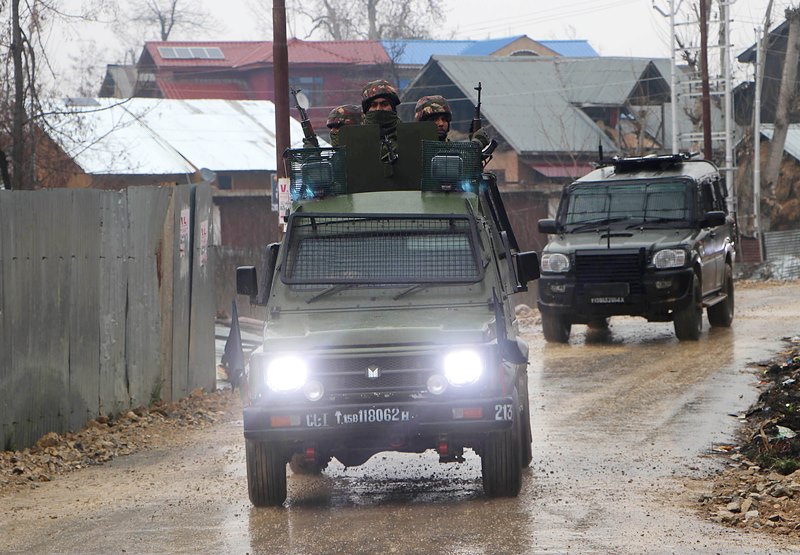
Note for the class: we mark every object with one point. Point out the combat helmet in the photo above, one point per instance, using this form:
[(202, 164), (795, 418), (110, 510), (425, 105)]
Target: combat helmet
[(347, 114), (429, 106), (374, 89)]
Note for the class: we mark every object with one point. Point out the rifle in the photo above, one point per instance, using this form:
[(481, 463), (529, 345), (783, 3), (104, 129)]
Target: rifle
[(308, 129), (476, 118)]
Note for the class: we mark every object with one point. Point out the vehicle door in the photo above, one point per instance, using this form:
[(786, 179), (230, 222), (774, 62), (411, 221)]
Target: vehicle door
[(713, 239)]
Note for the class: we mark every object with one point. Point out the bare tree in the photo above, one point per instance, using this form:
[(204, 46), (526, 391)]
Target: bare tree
[(372, 19), (168, 15)]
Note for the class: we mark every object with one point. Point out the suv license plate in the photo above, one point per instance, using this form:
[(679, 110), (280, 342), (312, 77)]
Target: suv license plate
[(607, 300), (372, 416)]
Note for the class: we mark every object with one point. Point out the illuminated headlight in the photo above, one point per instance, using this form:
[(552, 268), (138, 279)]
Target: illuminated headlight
[(555, 262), (286, 373), (669, 258), (463, 367)]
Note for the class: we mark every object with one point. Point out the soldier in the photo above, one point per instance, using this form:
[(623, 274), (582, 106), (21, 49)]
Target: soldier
[(347, 114), (379, 100), (436, 109)]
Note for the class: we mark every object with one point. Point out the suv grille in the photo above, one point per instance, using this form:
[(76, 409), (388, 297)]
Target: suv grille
[(611, 267), (396, 374)]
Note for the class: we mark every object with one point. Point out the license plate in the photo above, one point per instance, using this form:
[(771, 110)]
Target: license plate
[(374, 415), (607, 300)]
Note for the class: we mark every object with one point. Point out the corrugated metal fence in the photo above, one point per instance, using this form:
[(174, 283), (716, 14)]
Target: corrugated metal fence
[(783, 247), (106, 303)]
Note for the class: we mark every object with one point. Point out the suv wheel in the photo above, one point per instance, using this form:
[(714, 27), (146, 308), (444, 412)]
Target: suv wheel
[(721, 314), (526, 435), (501, 470), (688, 320), (556, 328), (266, 473)]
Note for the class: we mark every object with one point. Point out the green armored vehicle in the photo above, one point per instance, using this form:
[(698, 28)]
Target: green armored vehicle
[(645, 236), (389, 323)]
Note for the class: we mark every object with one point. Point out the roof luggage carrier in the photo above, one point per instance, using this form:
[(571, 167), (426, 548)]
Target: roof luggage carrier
[(649, 162)]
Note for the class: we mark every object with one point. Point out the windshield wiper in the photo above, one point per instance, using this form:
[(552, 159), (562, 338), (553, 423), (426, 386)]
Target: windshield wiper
[(583, 226), (330, 290), (649, 221)]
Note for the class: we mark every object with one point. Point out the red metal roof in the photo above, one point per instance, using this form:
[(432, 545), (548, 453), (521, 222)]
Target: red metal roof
[(238, 54), (185, 90)]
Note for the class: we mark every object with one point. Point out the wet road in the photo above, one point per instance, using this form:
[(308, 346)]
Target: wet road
[(620, 421)]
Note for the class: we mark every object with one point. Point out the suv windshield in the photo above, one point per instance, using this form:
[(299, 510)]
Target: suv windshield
[(330, 249), (595, 205)]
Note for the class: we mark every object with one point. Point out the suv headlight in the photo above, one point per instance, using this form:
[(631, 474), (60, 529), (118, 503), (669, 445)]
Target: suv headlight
[(463, 367), (555, 262), (669, 258), (286, 373)]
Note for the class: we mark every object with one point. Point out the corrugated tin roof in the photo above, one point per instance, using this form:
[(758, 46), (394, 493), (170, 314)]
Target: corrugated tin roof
[(526, 100), (599, 81), (418, 52), (570, 48), (792, 145), (488, 47), (144, 136), (238, 54), (184, 90)]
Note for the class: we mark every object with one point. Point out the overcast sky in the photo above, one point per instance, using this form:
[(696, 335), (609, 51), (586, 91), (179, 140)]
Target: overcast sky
[(612, 27)]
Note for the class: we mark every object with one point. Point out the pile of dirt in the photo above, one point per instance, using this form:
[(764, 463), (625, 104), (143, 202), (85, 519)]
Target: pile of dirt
[(105, 438), (760, 488)]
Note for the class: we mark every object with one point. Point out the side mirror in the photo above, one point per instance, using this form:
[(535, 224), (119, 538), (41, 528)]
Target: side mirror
[(527, 267), (246, 281), (548, 226), (714, 219)]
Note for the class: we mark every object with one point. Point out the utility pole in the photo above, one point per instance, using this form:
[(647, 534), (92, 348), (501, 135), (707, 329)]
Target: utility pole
[(673, 84), (725, 21), (708, 153), (762, 36), (280, 60)]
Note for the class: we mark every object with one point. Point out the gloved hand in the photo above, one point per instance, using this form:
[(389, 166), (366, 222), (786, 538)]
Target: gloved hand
[(480, 138)]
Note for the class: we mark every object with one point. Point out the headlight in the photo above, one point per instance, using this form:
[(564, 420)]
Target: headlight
[(286, 373), (669, 258), (555, 262), (463, 367)]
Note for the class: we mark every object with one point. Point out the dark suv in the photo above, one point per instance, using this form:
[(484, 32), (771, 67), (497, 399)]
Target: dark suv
[(648, 236)]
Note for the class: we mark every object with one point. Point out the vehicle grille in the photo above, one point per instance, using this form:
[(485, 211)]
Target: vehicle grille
[(611, 267), (398, 374)]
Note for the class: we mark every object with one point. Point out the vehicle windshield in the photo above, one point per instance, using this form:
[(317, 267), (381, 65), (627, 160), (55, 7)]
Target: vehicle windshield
[(597, 205), (376, 250)]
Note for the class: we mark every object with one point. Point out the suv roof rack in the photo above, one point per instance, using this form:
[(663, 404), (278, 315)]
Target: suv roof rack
[(651, 161)]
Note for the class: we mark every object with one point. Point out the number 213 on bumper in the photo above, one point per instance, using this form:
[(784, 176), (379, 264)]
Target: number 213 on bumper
[(503, 412)]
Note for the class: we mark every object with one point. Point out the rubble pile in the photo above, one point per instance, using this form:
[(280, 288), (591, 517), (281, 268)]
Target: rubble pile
[(761, 486), (105, 438)]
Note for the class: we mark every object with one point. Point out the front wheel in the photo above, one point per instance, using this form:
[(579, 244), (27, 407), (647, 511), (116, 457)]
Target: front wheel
[(688, 320), (501, 470), (721, 314), (266, 473), (555, 328)]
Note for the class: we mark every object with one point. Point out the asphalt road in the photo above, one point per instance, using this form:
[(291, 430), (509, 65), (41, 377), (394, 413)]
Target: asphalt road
[(621, 421)]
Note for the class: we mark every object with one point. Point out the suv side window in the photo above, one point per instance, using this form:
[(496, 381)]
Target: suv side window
[(719, 195), (707, 200)]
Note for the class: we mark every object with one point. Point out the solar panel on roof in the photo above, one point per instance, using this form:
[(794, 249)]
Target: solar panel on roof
[(198, 52), (167, 52), (215, 53), (191, 53)]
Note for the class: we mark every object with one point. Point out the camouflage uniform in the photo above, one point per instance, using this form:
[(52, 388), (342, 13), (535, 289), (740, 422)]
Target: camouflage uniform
[(387, 121), (428, 107), (347, 114)]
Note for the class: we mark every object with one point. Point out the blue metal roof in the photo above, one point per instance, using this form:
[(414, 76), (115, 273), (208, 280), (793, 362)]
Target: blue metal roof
[(488, 47), (418, 52), (570, 48)]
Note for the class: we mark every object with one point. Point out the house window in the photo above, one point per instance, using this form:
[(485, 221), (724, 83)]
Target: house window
[(311, 87), (224, 182)]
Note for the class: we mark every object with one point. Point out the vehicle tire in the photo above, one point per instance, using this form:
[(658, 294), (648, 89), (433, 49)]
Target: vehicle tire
[(526, 436), (721, 314), (688, 320), (501, 468), (300, 465), (266, 473), (555, 327)]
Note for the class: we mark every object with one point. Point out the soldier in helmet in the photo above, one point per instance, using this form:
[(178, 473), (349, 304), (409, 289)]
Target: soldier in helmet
[(379, 100), (436, 109), (347, 114)]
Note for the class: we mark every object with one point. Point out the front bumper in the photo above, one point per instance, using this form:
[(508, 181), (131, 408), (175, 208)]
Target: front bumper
[(419, 419), (656, 293)]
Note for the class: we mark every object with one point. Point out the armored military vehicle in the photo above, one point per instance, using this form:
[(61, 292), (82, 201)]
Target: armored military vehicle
[(389, 325), (646, 236)]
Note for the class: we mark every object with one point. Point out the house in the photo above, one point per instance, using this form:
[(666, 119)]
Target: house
[(330, 73)]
